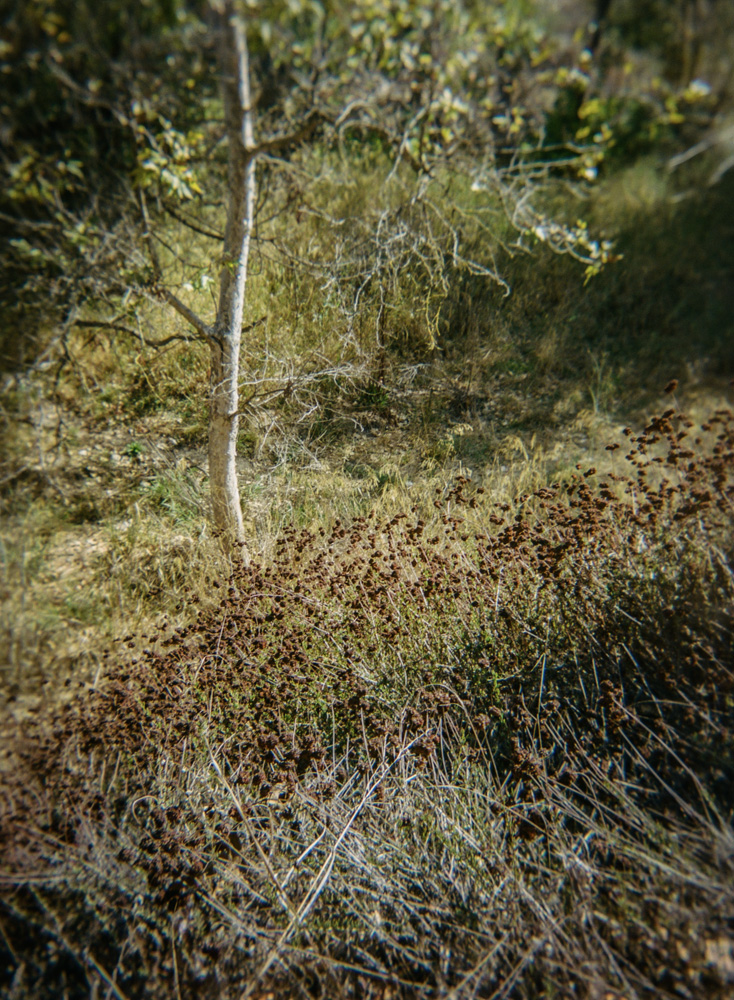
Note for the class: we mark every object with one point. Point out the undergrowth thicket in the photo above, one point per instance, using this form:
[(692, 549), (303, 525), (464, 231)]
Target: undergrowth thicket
[(478, 749)]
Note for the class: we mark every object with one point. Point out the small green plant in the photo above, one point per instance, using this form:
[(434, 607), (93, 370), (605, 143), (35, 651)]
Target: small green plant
[(373, 396), (133, 450), (177, 492)]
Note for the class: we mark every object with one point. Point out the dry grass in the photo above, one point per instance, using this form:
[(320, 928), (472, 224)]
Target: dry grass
[(472, 749), (405, 755)]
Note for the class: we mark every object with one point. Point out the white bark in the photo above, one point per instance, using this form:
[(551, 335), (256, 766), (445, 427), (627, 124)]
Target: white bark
[(227, 329)]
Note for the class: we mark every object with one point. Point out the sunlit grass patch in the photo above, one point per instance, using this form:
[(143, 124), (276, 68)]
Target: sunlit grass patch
[(67, 590)]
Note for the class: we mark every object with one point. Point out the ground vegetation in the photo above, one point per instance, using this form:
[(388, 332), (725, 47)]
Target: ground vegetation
[(472, 749), (462, 725)]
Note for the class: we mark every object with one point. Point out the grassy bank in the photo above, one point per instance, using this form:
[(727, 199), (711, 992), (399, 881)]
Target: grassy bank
[(104, 497), (475, 748)]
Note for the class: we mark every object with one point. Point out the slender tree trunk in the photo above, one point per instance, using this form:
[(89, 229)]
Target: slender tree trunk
[(227, 329)]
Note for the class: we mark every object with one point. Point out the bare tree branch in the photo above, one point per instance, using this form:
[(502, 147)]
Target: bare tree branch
[(26, 223), (188, 314), (160, 291), (121, 328), (209, 233), (279, 142)]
